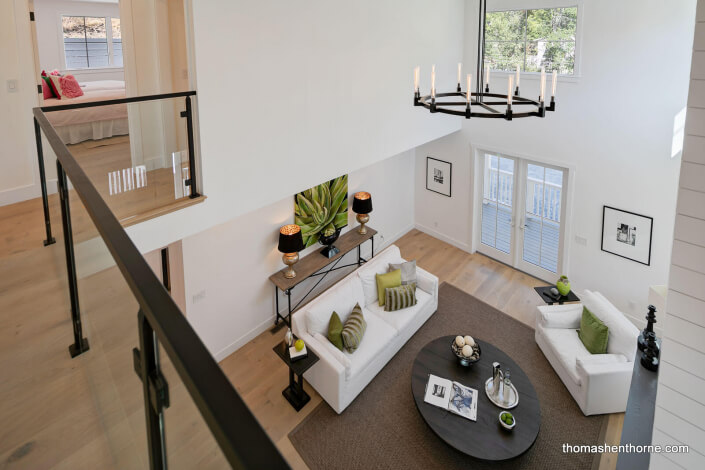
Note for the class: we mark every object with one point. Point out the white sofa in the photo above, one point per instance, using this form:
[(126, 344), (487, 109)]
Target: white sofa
[(340, 376), (599, 383)]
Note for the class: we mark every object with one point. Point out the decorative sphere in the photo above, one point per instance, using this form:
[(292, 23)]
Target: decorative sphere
[(459, 341), (299, 345), (467, 351), (469, 341)]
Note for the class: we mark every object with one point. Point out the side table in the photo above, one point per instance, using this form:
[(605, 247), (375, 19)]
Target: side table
[(545, 293), (295, 393)]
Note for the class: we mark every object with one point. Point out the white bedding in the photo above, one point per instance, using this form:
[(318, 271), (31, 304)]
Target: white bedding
[(94, 123)]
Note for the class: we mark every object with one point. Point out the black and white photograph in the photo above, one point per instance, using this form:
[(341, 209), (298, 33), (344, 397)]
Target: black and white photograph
[(438, 176), (627, 234), (439, 390)]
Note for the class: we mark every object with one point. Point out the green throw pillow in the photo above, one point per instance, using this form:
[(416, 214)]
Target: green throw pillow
[(397, 298), (385, 281), (593, 333), (354, 329), (335, 331)]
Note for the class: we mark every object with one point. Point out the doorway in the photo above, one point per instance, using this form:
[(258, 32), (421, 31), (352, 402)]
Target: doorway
[(522, 219)]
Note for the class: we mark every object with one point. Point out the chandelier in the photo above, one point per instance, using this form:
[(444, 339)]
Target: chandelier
[(482, 103)]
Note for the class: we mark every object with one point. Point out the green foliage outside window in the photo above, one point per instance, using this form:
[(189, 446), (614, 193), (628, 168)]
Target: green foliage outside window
[(531, 39)]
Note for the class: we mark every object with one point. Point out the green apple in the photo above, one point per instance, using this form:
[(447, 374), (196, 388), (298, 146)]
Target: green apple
[(563, 285), (299, 345)]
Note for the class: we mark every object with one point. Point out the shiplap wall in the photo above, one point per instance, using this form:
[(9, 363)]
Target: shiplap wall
[(680, 402)]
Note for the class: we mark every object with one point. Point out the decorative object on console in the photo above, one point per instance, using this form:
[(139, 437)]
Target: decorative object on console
[(290, 243), (408, 271), (627, 234), (398, 298), (563, 285), (482, 103), (648, 344), (466, 349), (648, 330), (289, 338), (297, 354), (322, 211), (327, 240), (362, 206), (439, 175)]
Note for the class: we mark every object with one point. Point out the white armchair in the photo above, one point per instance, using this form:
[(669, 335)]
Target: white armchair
[(599, 383)]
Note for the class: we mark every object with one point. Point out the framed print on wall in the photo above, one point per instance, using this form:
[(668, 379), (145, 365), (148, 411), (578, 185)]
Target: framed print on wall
[(438, 176), (627, 234)]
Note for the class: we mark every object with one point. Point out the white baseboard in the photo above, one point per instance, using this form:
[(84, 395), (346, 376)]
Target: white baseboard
[(24, 193), (452, 241), (244, 339)]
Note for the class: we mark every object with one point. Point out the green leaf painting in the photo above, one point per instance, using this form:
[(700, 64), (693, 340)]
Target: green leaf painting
[(322, 210)]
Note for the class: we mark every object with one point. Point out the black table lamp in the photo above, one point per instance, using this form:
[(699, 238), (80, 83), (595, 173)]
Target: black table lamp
[(362, 206), (290, 243)]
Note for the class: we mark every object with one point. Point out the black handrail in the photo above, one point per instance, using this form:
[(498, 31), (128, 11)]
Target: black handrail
[(241, 438), (133, 99)]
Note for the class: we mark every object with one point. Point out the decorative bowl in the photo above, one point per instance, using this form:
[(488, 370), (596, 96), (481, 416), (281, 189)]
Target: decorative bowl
[(329, 251), (466, 361), (506, 426)]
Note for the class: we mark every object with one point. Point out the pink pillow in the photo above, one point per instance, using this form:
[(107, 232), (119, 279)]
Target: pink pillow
[(46, 89), (70, 87)]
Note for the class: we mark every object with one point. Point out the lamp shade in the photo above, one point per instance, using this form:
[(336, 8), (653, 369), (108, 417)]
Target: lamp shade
[(290, 239), (362, 203)]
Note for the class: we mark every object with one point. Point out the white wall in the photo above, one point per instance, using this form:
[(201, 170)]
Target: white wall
[(680, 409), (231, 262), (17, 152), (614, 126), (50, 40), (306, 91)]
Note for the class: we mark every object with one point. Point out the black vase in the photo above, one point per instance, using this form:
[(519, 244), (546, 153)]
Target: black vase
[(329, 251)]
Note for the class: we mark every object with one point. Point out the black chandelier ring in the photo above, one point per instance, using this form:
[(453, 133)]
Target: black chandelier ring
[(479, 106)]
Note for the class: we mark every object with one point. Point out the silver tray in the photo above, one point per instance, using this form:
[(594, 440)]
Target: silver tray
[(513, 397)]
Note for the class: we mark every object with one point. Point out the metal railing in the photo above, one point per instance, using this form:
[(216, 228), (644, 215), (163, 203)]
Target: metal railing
[(242, 440), (187, 114)]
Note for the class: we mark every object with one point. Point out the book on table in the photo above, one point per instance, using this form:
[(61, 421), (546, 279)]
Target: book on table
[(452, 396)]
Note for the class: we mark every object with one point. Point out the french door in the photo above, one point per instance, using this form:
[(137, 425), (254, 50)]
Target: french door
[(523, 208)]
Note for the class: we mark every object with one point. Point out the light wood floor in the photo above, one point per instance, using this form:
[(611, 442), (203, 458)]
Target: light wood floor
[(87, 412), (259, 375)]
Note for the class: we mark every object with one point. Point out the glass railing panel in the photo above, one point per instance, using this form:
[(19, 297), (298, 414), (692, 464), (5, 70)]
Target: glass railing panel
[(135, 154), (111, 399)]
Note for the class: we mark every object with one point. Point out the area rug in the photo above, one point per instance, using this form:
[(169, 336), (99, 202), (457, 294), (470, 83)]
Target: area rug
[(383, 429)]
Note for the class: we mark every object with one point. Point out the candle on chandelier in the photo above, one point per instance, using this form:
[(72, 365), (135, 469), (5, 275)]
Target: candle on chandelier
[(518, 76), (469, 93), (553, 84), (460, 72), (509, 91), (487, 75), (543, 85), (433, 81), (416, 79)]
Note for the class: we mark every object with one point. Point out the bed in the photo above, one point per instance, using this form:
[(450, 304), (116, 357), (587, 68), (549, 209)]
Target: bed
[(95, 123)]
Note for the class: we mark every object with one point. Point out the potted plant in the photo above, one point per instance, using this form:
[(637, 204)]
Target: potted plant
[(563, 285)]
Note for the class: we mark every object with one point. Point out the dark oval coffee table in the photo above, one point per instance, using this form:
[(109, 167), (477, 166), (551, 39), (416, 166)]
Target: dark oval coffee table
[(485, 438)]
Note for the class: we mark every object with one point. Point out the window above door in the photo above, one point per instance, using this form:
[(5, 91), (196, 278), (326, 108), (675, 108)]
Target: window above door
[(533, 38)]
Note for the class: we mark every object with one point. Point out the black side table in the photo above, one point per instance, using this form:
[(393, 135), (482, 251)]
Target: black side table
[(546, 296), (295, 393)]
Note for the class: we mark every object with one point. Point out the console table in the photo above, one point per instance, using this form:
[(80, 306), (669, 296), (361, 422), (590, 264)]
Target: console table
[(314, 264)]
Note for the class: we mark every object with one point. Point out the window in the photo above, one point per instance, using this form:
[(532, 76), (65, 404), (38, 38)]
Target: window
[(90, 43), (532, 39)]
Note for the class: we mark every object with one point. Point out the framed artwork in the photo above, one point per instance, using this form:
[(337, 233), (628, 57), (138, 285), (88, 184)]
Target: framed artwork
[(627, 234), (322, 210), (439, 176)]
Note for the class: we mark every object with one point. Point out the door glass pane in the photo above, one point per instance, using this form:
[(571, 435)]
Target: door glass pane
[(498, 196), (544, 188)]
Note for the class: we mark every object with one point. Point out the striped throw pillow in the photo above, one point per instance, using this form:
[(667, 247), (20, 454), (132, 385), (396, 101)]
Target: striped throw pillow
[(354, 329), (397, 298)]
